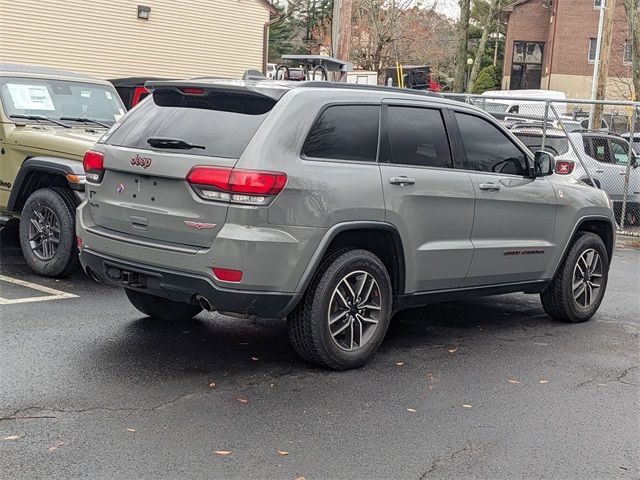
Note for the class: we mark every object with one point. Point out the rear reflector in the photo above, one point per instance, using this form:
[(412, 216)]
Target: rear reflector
[(564, 167), (79, 242), (93, 164), (251, 187), (227, 275)]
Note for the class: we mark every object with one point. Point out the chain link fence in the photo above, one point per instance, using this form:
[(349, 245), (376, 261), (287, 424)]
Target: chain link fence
[(597, 142)]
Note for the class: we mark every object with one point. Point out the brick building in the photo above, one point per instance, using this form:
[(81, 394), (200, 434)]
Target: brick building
[(551, 44)]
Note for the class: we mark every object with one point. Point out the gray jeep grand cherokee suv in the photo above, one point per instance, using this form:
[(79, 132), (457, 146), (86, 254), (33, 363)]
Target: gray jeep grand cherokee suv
[(333, 205)]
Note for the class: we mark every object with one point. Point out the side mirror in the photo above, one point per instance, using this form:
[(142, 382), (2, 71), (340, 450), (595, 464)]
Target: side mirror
[(544, 163), (634, 159)]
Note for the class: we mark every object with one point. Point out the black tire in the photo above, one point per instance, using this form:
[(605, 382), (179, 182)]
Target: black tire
[(308, 325), (161, 308), (558, 298), (62, 203)]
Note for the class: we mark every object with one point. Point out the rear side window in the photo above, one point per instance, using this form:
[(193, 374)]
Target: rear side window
[(345, 132), (417, 136), (221, 123), (598, 148), (533, 141), (489, 149)]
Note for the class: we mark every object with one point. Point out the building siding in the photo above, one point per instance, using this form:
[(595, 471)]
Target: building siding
[(104, 38)]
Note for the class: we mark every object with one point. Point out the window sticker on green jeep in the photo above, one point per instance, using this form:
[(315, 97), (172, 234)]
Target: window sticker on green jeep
[(30, 97)]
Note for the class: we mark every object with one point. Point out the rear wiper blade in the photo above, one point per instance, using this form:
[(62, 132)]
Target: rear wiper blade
[(85, 120), (177, 143), (39, 118)]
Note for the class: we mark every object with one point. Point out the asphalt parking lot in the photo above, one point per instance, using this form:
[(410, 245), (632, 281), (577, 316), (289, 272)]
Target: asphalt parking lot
[(481, 389)]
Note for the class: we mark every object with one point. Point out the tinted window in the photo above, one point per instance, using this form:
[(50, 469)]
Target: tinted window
[(598, 148), (345, 132), (214, 122), (417, 137), (488, 149)]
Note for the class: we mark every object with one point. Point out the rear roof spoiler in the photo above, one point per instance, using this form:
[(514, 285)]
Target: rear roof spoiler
[(268, 89)]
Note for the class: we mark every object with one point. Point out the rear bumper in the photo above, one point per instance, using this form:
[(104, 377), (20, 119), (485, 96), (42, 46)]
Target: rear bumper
[(184, 287)]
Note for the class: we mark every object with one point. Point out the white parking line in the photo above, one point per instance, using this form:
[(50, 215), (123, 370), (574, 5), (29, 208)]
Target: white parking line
[(53, 293)]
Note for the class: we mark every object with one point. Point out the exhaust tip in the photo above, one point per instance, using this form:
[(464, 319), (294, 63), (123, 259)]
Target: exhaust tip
[(204, 303), (93, 275)]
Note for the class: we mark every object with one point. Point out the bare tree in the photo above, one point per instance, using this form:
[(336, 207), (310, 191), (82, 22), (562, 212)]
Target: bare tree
[(487, 23), (633, 19), (463, 39)]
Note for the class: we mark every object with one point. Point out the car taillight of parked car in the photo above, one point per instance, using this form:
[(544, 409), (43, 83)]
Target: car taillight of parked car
[(93, 164), (249, 187), (564, 167)]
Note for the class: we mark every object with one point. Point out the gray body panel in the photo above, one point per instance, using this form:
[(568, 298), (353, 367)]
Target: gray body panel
[(454, 236)]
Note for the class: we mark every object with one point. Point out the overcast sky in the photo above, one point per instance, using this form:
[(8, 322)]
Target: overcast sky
[(449, 7)]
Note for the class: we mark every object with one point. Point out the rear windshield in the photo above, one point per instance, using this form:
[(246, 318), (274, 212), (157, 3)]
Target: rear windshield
[(556, 145), (220, 124)]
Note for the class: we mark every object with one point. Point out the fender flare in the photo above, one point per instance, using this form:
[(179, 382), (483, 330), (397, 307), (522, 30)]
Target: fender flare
[(53, 165)]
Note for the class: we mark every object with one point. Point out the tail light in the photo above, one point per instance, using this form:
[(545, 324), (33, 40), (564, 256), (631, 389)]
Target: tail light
[(93, 164), (564, 167), (249, 187)]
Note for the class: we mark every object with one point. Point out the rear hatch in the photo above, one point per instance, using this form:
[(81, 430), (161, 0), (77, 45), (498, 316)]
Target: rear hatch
[(143, 191)]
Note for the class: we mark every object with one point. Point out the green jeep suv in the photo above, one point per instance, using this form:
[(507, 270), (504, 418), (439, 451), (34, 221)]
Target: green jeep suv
[(48, 120)]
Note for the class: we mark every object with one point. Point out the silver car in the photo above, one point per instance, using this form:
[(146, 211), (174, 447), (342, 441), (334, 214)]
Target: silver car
[(604, 155), (335, 205)]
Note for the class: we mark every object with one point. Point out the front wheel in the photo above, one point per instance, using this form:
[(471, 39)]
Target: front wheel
[(47, 232), (344, 315), (161, 308), (576, 292)]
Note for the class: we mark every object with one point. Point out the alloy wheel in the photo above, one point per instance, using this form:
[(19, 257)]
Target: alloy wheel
[(44, 233), (587, 278), (354, 310)]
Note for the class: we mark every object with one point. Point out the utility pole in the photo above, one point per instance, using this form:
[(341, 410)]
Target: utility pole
[(342, 10), (603, 65), (463, 40), (495, 48)]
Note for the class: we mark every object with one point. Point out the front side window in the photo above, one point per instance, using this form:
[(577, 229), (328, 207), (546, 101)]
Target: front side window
[(620, 152), (345, 132), (60, 99), (417, 136), (489, 149)]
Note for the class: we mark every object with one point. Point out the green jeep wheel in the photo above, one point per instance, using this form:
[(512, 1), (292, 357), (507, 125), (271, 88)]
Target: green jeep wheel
[(47, 232)]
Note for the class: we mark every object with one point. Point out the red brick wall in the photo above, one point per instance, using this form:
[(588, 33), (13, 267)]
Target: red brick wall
[(576, 22), (528, 22)]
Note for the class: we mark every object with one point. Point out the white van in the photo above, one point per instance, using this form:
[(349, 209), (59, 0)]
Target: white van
[(503, 102)]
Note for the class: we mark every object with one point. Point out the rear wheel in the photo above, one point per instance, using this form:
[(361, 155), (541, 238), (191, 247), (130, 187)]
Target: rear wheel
[(47, 232), (576, 292), (161, 308), (344, 315)]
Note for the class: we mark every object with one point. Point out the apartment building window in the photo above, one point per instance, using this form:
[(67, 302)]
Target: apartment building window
[(626, 58), (593, 47), (526, 68), (597, 3)]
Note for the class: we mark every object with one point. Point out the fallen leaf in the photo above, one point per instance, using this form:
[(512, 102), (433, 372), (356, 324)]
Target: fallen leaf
[(55, 446), (12, 437), (543, 381), (466, 405), (513, 381), (132, 430), (255, 359), (452, 349), (299, 478), (211, 384), (282, 453), (243, 401), (223, 453), (399, 364), (412, 410)]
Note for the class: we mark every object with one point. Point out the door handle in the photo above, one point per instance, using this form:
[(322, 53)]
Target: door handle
[(599, 170), (489, 187), (402, 181), (622, 173)]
